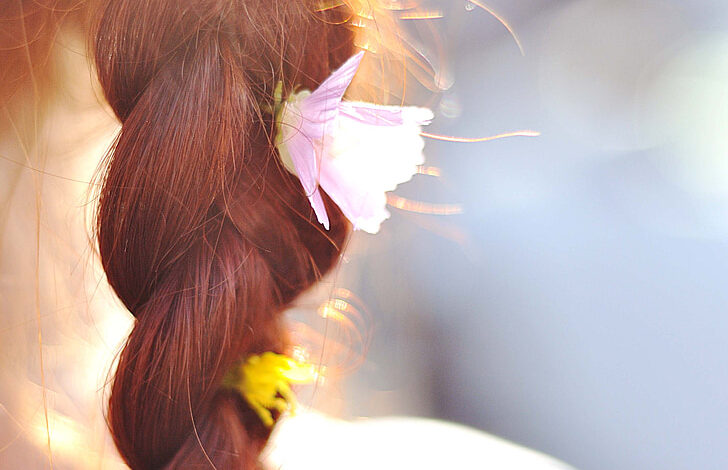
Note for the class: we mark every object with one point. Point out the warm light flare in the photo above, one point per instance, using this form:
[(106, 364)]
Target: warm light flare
[(400, 5), (470, 140), (336, 309), (422, 15), (329, 5), (429, 170), (420, 207), (300, 354), (330, 312)]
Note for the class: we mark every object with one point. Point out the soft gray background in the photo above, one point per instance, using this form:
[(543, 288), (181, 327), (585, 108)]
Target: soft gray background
[(579, 305)]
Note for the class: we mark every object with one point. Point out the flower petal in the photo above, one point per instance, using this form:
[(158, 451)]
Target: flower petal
[(304, 122), (298, 150), (321, 107), (369, 113), (365, 158)]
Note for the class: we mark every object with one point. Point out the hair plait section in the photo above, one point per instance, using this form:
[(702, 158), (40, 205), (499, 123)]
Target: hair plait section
[(203, 235)]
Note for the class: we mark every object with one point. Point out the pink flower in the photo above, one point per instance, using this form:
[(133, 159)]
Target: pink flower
[(355, 151)]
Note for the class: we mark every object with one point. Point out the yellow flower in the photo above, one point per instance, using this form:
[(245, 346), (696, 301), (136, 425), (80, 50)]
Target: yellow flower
[(265, 381)]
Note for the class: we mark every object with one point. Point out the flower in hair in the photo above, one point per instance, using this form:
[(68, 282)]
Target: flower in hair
[(265, 381), (355, 151)]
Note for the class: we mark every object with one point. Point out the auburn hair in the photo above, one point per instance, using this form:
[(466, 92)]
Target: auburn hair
[(203, 234)]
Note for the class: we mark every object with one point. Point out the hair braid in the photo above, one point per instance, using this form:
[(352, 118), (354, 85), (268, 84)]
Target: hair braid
[(202, 233)]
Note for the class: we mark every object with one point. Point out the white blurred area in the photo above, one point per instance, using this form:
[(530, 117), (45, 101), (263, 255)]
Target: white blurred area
[(315, 441)]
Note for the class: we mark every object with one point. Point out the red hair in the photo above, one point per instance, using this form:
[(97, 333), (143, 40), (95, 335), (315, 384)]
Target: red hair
[(203, 235)]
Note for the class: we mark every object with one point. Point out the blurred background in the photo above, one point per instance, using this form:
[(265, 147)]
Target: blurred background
[(578, 305)]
